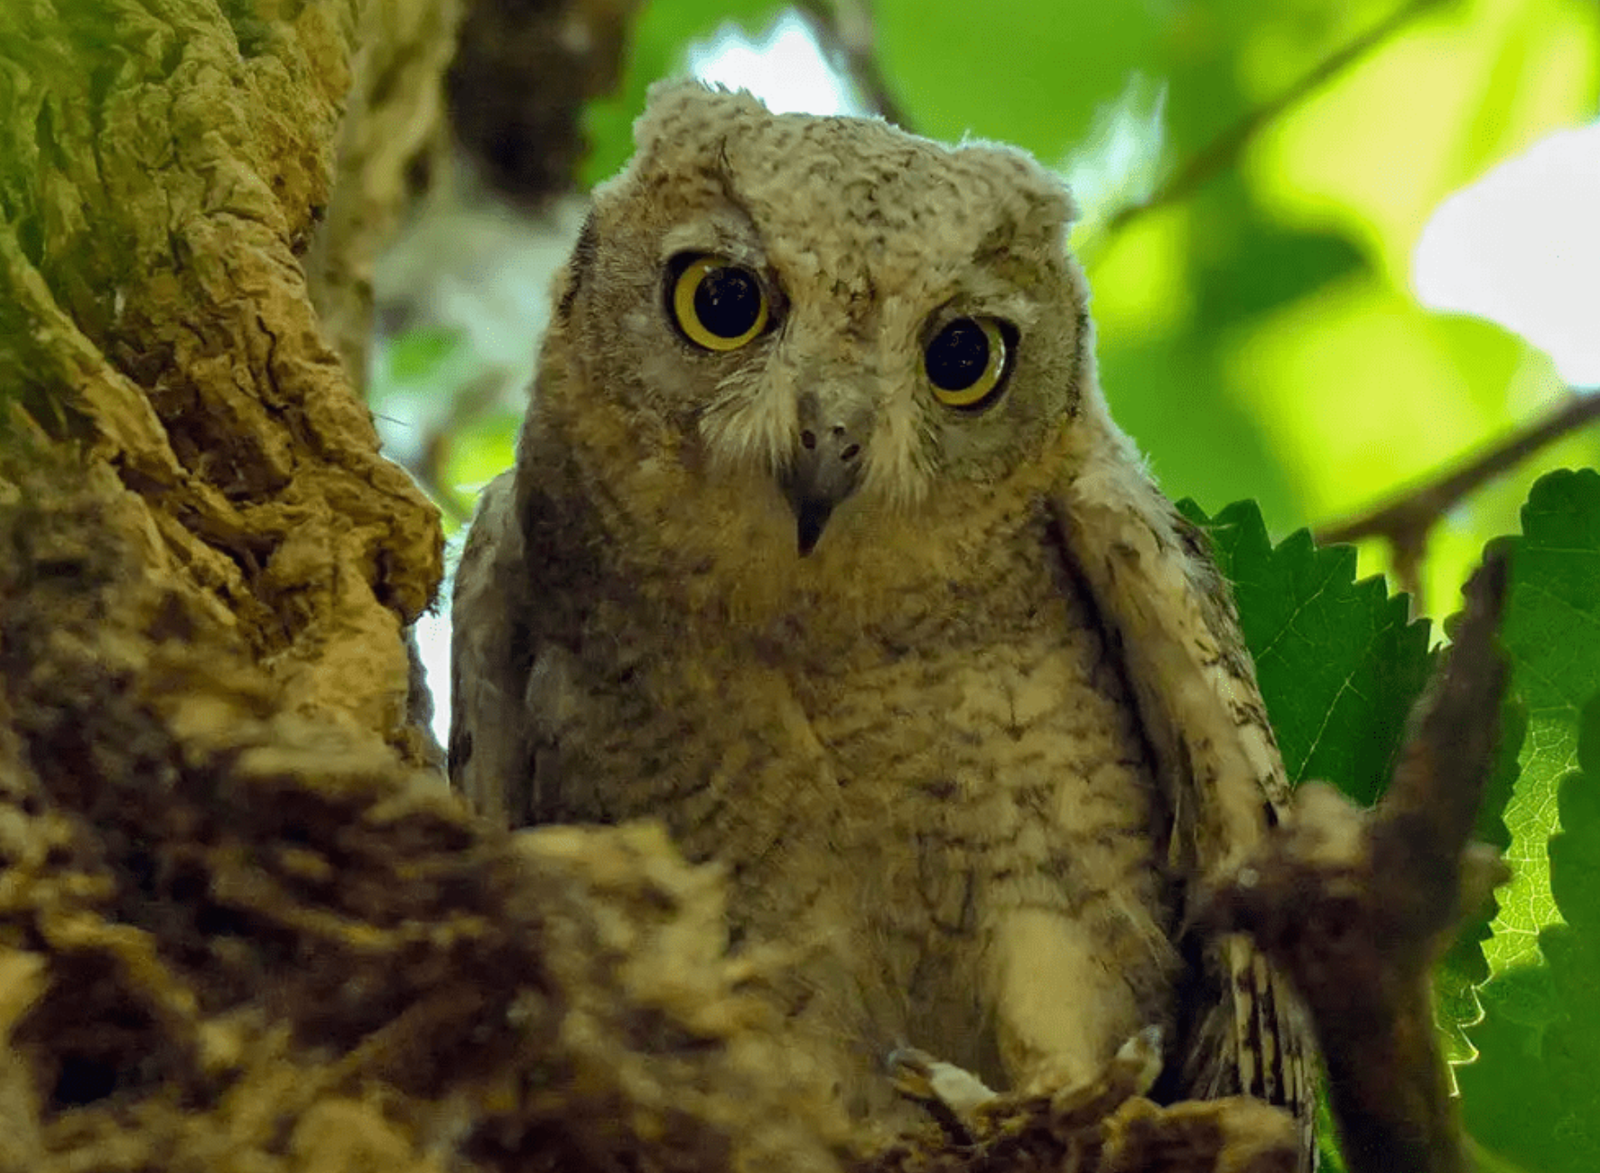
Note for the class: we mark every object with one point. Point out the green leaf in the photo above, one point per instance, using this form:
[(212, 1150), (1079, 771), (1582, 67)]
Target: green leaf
[(1339, 662), (1553, 635), (1532, 1095), (1464, 967)]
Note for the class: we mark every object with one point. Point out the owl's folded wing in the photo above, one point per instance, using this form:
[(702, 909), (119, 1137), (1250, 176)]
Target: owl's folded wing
[(489, 726), (1157, 587)]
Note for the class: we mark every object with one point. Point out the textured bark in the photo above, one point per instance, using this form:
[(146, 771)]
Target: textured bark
[(393, 138), (162, 166), (237, 938)]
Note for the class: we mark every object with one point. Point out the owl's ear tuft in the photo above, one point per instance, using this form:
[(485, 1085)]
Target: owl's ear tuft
[(1040, 190), (1049, 204), (682, 110)]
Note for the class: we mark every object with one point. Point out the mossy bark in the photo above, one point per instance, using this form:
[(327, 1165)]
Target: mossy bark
[(163, 166)]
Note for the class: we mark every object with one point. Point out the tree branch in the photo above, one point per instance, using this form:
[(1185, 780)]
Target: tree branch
[(844, 29), (1405, 521), (1356, 906), (1226, 148)]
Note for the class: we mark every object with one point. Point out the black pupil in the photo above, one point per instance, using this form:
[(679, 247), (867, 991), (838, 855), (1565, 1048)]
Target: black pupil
[(727, 301), (957, 358)]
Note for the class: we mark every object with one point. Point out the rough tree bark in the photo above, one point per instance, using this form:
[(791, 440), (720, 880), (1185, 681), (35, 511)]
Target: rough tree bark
[(162, 168), (243, 926)]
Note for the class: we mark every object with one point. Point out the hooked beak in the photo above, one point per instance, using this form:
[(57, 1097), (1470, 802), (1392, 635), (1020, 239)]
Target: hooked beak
[(825, 469)]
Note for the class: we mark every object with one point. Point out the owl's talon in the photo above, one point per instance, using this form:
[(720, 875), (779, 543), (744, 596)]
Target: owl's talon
[(1132, 1072), (1138, 1061), (919, 1076)]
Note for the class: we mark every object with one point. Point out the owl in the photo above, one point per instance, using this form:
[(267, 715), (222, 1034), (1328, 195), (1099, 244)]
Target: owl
[(821, 548)]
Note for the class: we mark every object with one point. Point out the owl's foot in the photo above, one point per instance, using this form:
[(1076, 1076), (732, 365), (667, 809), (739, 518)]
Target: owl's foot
[(951, 1094), (1132, 1072), (958, 1100), (919, 1076)]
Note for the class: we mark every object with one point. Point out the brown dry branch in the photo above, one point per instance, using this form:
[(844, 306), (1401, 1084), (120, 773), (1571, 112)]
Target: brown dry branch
[(847, 35), (1357, 906), (1406, 521)]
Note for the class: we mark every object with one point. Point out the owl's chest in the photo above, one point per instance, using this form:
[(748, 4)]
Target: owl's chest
[(970, 744)]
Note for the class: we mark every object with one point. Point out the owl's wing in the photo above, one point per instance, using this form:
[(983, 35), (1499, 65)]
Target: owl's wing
[(1156, 586), (490, 658)]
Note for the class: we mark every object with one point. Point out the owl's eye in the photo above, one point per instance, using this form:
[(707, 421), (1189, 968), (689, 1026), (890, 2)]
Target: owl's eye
[(717, 304), (967, 362)]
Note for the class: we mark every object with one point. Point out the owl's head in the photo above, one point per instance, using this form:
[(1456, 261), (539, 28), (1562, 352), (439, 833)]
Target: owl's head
[(818, 327)]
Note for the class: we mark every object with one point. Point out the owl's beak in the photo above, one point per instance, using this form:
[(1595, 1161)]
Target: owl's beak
[(824, 471)]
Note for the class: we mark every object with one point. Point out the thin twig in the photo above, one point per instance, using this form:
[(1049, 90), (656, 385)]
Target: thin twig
[(844, 30), (1405, 521), (1225, 149)]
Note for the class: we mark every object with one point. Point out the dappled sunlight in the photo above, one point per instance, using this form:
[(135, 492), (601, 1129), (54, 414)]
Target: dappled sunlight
[(782, 66), (1521, 247), (1375, 152)]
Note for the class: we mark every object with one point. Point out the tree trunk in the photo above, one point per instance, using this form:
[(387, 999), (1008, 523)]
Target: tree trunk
[(162, 171)]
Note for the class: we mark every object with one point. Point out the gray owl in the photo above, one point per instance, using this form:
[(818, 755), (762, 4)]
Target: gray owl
[(822, 548)]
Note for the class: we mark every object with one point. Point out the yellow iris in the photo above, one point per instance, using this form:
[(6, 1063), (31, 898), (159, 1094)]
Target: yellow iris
[(717, 304), (966, 361)]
